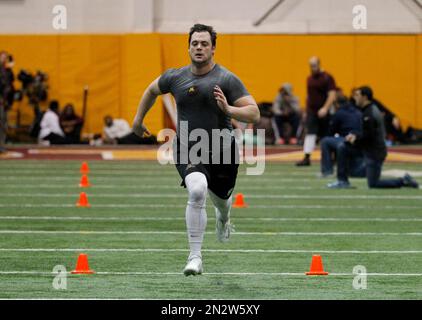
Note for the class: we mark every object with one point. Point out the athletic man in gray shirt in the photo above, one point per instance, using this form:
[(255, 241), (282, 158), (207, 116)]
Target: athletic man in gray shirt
[(207, 97)]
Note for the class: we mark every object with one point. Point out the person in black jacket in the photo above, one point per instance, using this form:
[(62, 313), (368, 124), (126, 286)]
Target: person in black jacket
[(372, 144), (347, 119), (7, 92), (394, 132)]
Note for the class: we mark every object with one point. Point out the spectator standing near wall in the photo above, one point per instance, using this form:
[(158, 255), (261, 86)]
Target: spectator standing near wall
[(321, 95)]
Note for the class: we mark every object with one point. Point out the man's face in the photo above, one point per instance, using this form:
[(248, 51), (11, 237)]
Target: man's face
[(359, 98), (201, 50), (3, 57), (314, 65), (108, 121), (68, 110), (285, 94)]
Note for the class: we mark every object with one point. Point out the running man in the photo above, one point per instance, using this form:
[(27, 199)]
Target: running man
[(207, 97)]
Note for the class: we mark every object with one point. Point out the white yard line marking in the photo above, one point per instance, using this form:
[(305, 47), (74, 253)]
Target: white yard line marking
[(324, 219), (107, 155), (149, 178), (241, 274), (53, 177), (289, 251), (251, 196), (87, 232), (110, 168), (130, 172), (144, 186), (160, 205)]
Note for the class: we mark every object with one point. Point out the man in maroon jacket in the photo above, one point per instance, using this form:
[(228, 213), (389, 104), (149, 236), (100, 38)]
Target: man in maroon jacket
[(321, 95)]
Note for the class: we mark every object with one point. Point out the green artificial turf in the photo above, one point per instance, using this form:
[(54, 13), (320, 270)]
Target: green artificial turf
[(139, 205)]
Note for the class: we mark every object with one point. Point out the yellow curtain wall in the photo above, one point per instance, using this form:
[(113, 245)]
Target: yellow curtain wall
[(117, 68)]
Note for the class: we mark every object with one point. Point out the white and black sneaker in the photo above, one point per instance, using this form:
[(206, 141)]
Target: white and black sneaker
[(409, 182), (194, 266)]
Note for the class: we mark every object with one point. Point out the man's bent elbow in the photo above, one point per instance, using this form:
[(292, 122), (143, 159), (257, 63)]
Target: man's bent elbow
[(256, 116), (256, 119)]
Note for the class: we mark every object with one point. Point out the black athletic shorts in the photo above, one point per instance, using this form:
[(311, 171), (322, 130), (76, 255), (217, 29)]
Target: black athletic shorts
[(316, 125), (221, 177)]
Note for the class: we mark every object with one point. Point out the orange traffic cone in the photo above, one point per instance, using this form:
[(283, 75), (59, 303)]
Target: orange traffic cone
[(84, 168), (82, 266), (83, 200), (239, 201), (317, 268), (84, 181)]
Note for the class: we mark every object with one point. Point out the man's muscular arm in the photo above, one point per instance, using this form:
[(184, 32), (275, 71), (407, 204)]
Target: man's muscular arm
[(326, 107), (147, 101), (245, 108)]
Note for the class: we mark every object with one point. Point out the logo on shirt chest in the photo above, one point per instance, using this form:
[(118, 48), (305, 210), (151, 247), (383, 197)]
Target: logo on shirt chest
[(192, 91)]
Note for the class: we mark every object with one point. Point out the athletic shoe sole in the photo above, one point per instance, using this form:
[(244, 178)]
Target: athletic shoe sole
[(191, 271)]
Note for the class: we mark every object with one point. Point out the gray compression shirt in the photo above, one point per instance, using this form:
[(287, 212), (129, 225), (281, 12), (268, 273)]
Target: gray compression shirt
[(195, 99)]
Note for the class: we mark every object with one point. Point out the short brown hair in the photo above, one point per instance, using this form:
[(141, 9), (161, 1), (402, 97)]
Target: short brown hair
[(204, 28)]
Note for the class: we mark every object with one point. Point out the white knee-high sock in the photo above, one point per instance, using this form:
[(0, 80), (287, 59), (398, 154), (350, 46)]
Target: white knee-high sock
[(309, 143), (196, 216), (222, 206)]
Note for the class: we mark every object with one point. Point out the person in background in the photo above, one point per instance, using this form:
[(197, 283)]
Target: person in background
[(7, 91), (286, 110), (71, 123), (51, 132), (118, 131), (394, 132), (321, 95), (346, 119), (372, 144)]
